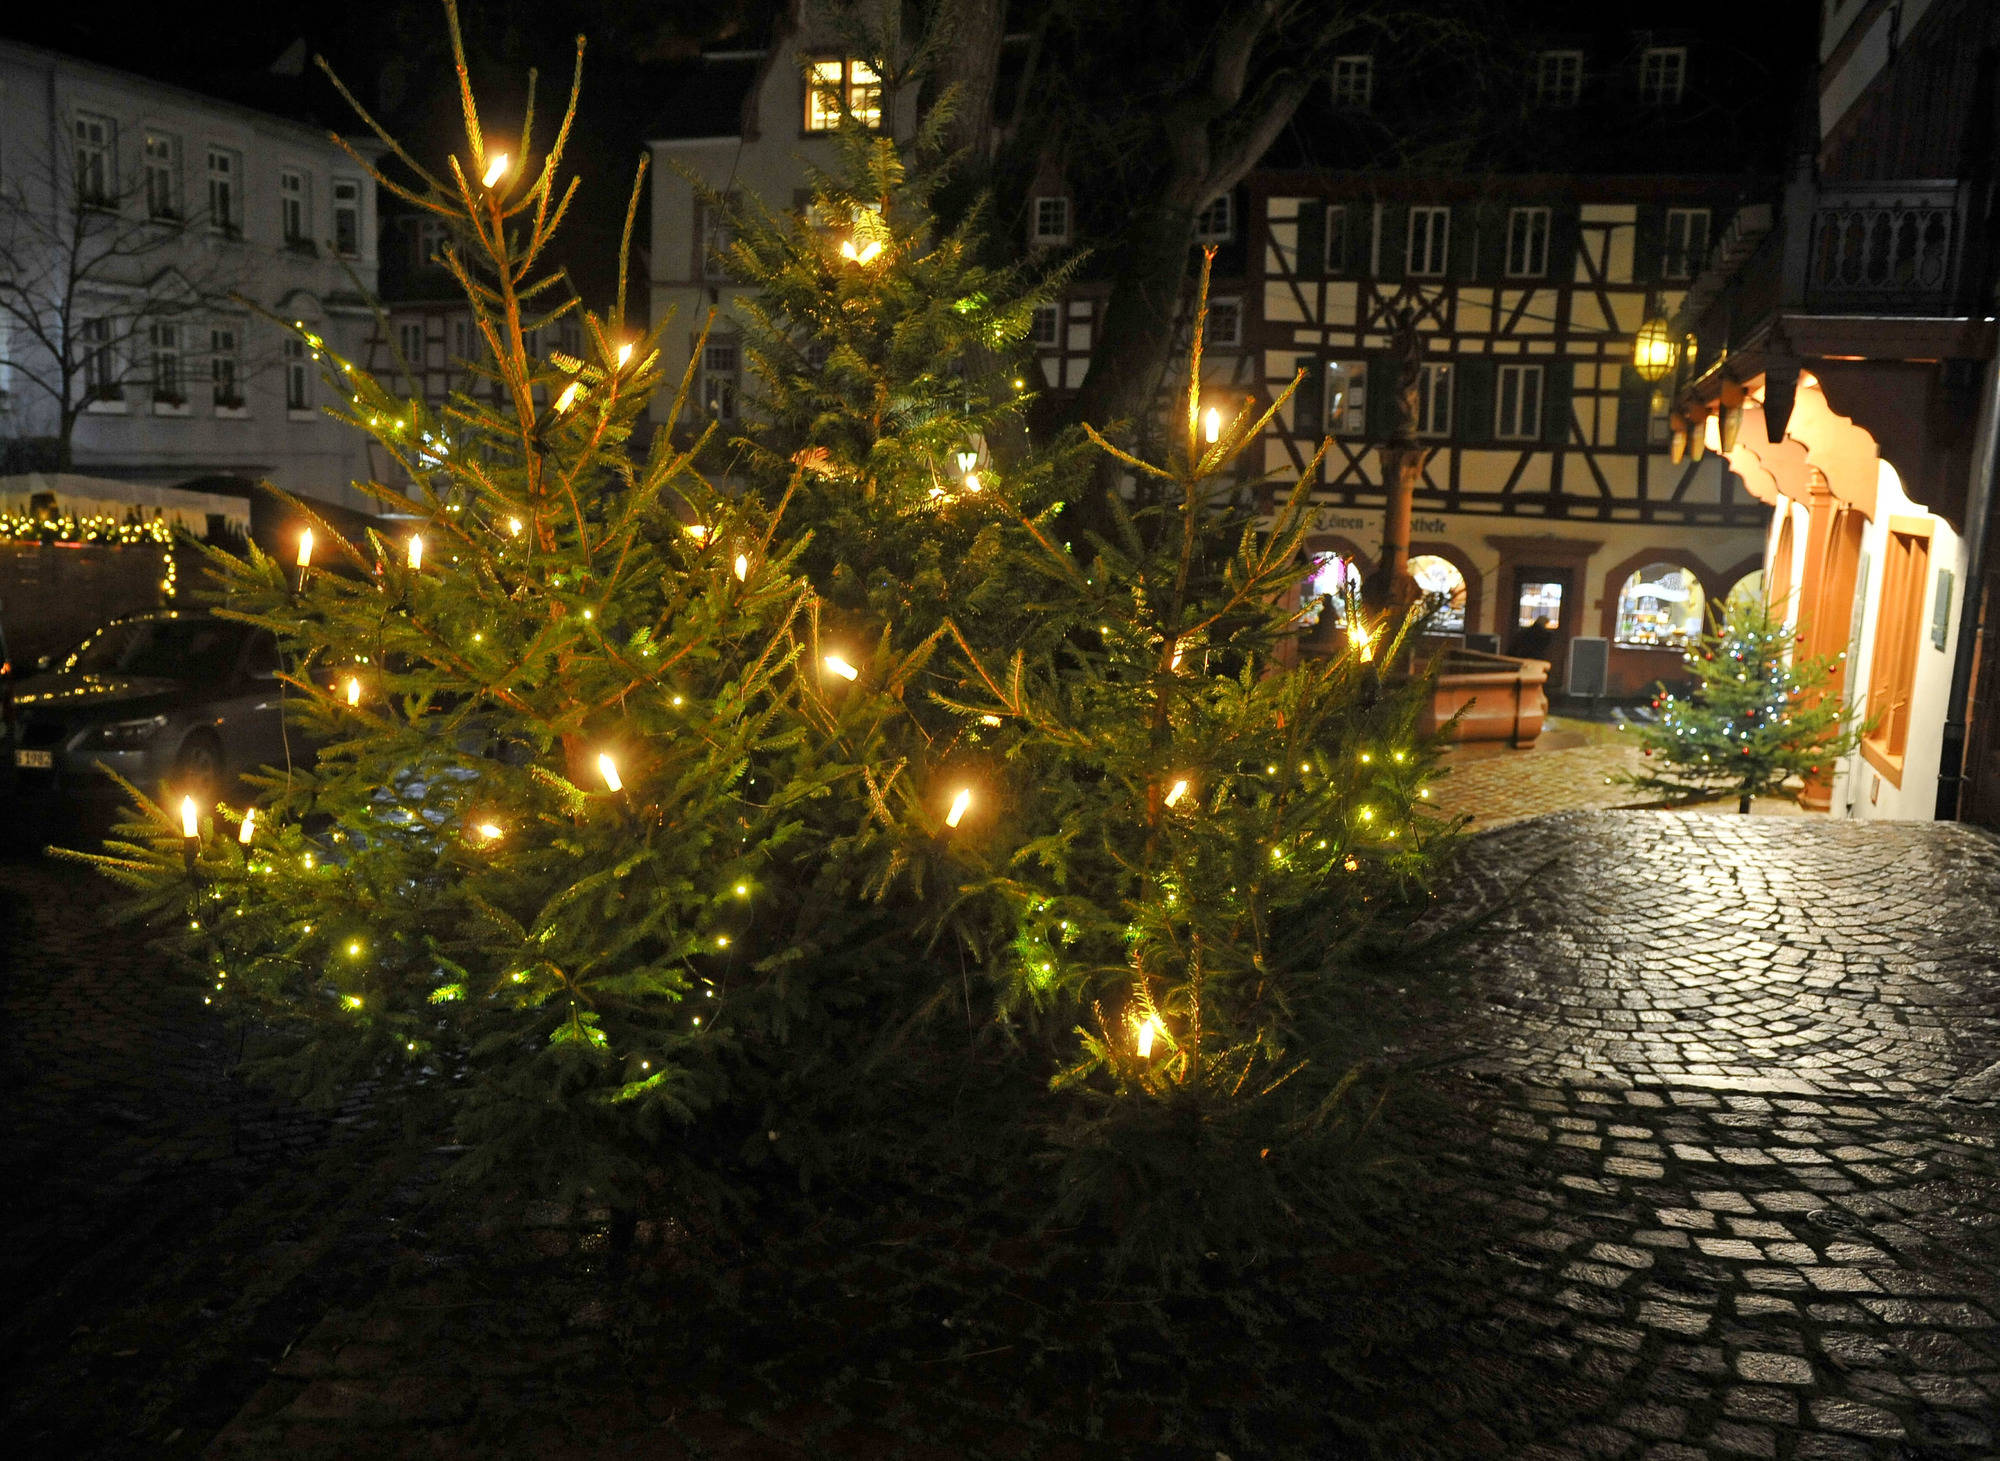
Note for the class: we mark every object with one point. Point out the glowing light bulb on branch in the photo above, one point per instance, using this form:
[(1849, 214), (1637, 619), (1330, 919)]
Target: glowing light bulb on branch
[(742, 567), (866, 253), (305, 547), (495, 170), (490, 831), (1176, 792), (624, 354), (353, 691), (960, 804), (1364, 645), (972, 482), (249, 828), (416, 551), (1150, 1029), (568, 397), (1212, 426), (608, 769), (697, 531), (190, 818), (514, 527), (841, 667)]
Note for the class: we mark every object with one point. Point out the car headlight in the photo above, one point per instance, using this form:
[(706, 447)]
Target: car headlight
[(131, 732)]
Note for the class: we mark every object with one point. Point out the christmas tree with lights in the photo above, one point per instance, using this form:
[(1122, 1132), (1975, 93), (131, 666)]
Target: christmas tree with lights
[(1757, 721)]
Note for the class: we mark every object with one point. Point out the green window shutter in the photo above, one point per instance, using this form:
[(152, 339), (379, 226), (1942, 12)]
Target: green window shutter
[(1562, 244), (1395, 240), (1309, 400), (1474, 406), (1558, 383), (1635, 410), (1311, 261), (1381, 408), (1648, 238)]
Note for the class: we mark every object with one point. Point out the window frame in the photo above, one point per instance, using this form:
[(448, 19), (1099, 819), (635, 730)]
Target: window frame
[(1558, 78), (1347, 402), (1619, 616), (1535, 242), (1335, 261), (98, 362), (1527, 377), (819, 120), (294, 207), (349, 207), (1654, 90), (1053, 313), (165, 168), (298, 379), (166, 359), (1213, 337), (227, 182), (1691, 256), (1903, 610), (1353, 81), (225, 367), (1436, 387), (96, 155), (1205, 230), (722, 382), (1039, 206), (1437, 233)]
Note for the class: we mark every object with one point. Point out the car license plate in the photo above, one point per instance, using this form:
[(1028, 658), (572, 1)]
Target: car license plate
[(35, 760)]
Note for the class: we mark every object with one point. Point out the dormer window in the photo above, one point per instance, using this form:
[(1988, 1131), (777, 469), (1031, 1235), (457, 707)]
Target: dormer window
[(844, 87), (1216, 222), (1354, 82), (1559, 78), (1662, 75), (1051, 219)]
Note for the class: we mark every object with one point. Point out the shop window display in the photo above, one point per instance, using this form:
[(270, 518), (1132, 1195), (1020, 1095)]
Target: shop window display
[(1660, 607), (1335, 580), (1443, 585)]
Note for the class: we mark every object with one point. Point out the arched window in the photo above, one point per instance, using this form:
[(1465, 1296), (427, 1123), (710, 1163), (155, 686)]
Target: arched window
[(1749, 589), (1336, 576), (1444, 586), (1660, 607)]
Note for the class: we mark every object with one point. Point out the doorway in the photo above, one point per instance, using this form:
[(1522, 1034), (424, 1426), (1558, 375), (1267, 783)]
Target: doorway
[(1540, 617)]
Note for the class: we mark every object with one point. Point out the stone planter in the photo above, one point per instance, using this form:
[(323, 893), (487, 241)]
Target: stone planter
[(1504, 699)]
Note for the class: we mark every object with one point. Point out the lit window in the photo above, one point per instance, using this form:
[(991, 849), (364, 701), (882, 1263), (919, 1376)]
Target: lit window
[(1527, 243), (1747, 590), (1354, 82), (1662, 75), (298, 376), (1051, 220), (1443, 588), (163, 176), (224, 368), (1225, 322), (96, 159), (1434, 400), (1540, 601), (294, 218), (165, 338), (347, 218), (1047, 321), (1215, 223), (1335, 583), (1686, 243), (1559, 78), (1517, 403), (1660, 607), (1892, 671), (838, 88), (1430, 233), (721, 364), (223, 170), (1346, 398)]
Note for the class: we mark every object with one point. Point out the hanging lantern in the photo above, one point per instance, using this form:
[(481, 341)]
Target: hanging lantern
[(1653, 349)]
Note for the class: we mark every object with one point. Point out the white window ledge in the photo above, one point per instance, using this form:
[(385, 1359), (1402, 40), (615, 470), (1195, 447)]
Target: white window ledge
[(168, 408)]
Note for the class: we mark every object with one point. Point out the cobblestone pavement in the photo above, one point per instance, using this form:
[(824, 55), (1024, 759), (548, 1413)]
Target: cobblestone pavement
[(1711, 1174)]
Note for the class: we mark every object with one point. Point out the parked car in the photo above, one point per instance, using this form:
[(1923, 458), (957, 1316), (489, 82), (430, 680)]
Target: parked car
[(173, 700)]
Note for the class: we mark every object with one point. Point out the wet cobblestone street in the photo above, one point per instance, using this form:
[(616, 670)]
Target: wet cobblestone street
[(1715, 1176)]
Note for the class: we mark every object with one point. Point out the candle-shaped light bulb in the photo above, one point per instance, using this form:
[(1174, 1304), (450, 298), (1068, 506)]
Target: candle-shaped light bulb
[(1148, 1028), (353, 691), (190, 818), (1212, 425), (870, 252), (514, 527), (1175, 662), (742, 567), (1176, 792), (305, 547), (608, 769), (698, 531), (490, 831), (416, 551), (248, 830), (624, 354), (972, 482), (959, 804), (847, 249), (495, 170), (568, 397), (842, 668)]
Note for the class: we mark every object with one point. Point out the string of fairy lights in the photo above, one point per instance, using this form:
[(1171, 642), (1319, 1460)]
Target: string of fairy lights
[(72, 529)]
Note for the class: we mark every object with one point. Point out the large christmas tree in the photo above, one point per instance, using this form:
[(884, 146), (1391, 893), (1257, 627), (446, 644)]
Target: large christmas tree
[(1758, 720)]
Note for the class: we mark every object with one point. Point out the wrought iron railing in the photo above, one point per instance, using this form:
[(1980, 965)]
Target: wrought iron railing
[(1886, 245)]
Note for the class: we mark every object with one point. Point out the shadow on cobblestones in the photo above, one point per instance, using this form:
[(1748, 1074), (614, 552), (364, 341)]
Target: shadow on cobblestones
[(1695, 1188)]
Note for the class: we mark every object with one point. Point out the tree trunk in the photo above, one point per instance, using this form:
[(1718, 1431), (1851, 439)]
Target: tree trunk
[(1743, 805), (971, 62)]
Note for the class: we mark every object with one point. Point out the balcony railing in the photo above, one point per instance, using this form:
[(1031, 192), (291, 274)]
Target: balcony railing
[(1886, 247)]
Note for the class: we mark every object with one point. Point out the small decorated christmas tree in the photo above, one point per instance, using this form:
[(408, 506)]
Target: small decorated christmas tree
[(1758, 721)]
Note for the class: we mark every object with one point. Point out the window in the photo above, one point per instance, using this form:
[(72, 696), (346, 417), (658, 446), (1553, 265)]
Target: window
[(1540, 600), (1659, 420), (1225, 322), (1333, 587), (427, 240), (1336, 239), (719, 373), (1051, 220), (224, 367), (1527, 243), (298, 376), (1898, 631), (96, 159), (223, 170), (347, 218), (6, 367), (840, 88), (714, 240), (100, 376), (1443, 588), (293, 216), (163, 176), (1047, 321), (1215, 223), (410, 344), (1559, 78), (1430, 230), (1747, 590), (1660, 607), (1517, 403), (1686, 243), (168, 387), (1347, 398), (1354, 82), (1434, 400), (1662, 75)]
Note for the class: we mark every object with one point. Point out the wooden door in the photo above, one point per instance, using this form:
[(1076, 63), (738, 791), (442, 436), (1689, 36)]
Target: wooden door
[(1541, 592)]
